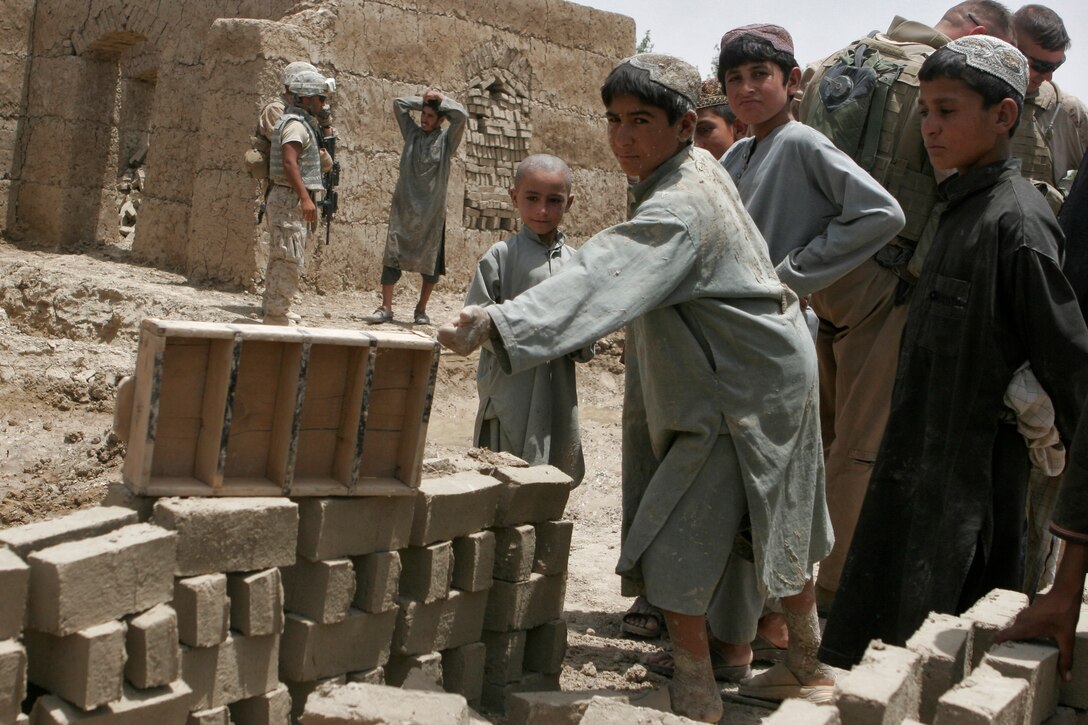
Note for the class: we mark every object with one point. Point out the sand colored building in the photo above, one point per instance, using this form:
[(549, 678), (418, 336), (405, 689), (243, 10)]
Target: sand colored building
[(116, 109)]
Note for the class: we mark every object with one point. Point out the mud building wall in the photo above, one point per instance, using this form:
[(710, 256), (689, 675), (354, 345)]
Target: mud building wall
[(93, 90), (103, 81)]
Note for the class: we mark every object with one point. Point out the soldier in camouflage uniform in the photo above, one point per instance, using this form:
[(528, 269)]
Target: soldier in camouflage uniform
[(295, 175)]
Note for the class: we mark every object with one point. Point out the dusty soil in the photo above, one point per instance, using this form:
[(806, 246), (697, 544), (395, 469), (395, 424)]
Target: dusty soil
[(68, 333)]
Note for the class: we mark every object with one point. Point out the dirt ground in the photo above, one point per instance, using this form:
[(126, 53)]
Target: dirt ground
[(68, 333)]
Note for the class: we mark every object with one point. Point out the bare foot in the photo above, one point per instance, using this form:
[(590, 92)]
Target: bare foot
[(772, 627), (693, 690)]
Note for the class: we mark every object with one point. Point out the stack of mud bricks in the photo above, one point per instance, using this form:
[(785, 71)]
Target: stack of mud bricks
[(951, 673), (130, 622), (498, 138)]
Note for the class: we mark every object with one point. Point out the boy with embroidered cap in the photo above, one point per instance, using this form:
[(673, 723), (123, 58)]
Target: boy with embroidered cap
[(822, 217), (532, 414), (943, 520), (720, 409), (717, 127)]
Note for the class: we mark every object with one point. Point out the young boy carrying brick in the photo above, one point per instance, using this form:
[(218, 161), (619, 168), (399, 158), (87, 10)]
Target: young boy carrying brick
[(822, 216), (943, 520), (532, 414), (720, 410)]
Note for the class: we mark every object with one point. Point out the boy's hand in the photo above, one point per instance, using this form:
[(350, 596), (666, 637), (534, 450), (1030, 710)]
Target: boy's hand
[(433, 95), (470, 330), (1053, 616)]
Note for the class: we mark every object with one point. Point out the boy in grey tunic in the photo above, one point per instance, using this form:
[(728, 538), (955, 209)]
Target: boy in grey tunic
[(720, 410), (532, 414)]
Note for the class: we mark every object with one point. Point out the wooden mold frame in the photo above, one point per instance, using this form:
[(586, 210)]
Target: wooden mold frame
[(253, 410)]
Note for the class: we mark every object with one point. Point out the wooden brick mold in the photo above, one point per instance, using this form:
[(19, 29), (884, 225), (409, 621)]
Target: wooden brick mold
[(255, 410)]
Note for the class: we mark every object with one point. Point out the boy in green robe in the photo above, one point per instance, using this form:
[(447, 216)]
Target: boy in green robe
[(720, 403)]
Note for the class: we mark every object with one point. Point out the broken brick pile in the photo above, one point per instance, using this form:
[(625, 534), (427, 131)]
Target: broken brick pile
[(217, 610)]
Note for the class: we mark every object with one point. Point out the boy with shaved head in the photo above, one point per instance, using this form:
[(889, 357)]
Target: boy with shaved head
[(532, 414)]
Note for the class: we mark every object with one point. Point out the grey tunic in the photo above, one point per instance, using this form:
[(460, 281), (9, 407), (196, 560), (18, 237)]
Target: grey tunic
[(535, 411), (820, 213), (417, 219), (716, 346)]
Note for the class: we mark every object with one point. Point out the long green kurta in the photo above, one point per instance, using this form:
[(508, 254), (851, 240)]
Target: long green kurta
[(417, 219), (535, 411), (716, 346)]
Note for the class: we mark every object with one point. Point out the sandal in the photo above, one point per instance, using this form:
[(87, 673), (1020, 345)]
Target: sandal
[(763, 650), (643, 610), (379, 316), (779, 683), (722, 671), (421, 318)]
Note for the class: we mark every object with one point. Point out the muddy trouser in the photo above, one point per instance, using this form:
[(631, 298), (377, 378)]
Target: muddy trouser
[(858, 349), (286, 254), (1041, 557)]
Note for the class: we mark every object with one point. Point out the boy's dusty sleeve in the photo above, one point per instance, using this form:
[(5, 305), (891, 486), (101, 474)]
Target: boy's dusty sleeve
[(486, 286), (869, 217)]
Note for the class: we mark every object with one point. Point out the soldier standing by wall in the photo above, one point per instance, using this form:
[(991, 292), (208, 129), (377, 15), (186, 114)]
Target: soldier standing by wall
[(417, 219), (295, 176)]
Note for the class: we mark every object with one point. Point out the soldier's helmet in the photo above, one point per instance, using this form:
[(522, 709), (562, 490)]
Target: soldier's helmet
[(294, 69), (310, 83)]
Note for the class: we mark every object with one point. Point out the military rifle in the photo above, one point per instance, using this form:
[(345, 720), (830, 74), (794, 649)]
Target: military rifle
[(330, 180)]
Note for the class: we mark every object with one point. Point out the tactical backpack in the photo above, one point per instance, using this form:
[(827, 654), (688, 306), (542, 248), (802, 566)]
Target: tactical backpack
[(864, 100), (257, 156)]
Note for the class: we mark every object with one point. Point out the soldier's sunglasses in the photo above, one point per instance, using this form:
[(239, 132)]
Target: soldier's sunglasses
[(1044, 66)]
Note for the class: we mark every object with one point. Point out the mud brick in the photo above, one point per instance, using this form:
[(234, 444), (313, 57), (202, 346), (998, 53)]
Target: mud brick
[(546, 646), (358, 702), (86, 668), (377, 581), (301, 691), (239, 668), (985, 696), (1037, 664), (885, 687), (444, 624), (82, 524), (214, 716), (525, 605), (495, 697), (319, 590), (14, 586), (515, 547), (790, 712), (168, 704), (505, 656), (203, 609), (312, 650), (463, 670), (543, 708), (12, 679), (474, 561), (531, 495), (271, 708), (151, 643), (552, 547), (83, 583), (944, 643), (990, 615), (1075, 692), (230, 534), (453, 506), (256, 602), (120, 495), (429, 665), (330, 528), (427, 572), (373, 676)]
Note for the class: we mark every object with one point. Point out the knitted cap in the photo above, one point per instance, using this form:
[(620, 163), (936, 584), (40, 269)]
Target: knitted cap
[(994, 57), (665, 70), (779, 38)]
